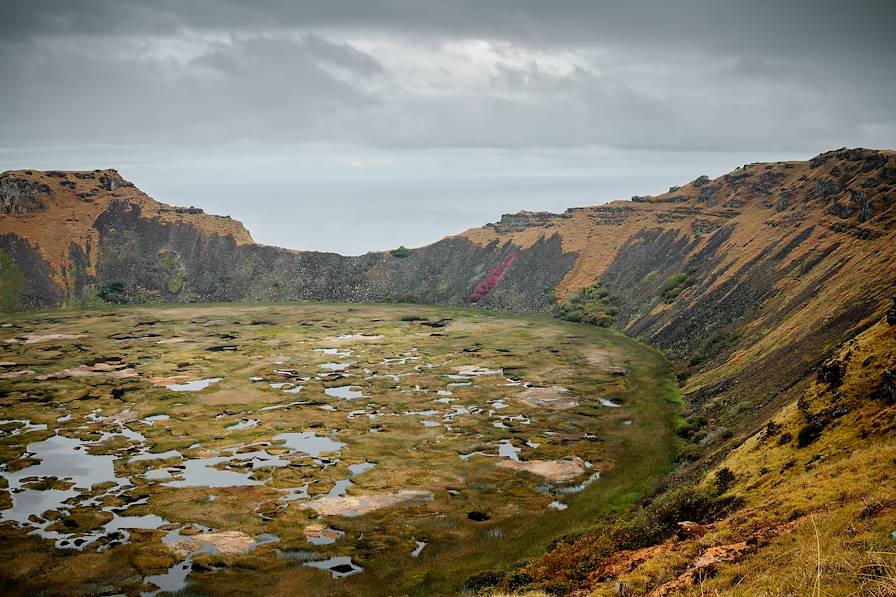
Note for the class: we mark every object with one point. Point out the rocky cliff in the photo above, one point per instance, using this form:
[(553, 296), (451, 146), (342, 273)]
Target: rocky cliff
[(748, 280), (754, 276), (771, 287), (73, 237)]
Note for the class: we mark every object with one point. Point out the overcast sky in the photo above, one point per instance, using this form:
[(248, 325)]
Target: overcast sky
[(360, 125)]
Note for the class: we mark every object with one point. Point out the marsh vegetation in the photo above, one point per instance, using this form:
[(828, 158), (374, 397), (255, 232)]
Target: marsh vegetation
[(213, 448)]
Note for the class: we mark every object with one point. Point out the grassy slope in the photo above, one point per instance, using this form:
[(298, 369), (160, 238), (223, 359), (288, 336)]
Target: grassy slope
[(817, 514)]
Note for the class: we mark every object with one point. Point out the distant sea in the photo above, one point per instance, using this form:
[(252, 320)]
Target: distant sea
[(353, 216)]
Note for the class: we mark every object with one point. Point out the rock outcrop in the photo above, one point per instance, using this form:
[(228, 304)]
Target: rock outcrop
[(771, 287), (748, 277)]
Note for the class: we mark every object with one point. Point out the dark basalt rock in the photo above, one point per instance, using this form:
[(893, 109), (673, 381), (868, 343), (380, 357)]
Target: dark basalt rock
[(109, 183), (818, 161), (831, 373), (808, 434), (188, 210), (708, 196), (441, 323), (703, 227), (523, 220), (215, 268), (839, 210), (782, 201), (34, 287), (826, 188), (866, 210), (21, 196)]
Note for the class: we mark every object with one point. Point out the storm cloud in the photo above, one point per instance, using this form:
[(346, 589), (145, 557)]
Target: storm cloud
[(373, 83)]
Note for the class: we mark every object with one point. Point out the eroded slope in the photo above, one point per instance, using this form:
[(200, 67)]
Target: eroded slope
[(804, 506)]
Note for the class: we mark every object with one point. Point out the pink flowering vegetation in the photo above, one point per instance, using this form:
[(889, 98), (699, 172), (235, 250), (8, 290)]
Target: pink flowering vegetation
[(492, 279)]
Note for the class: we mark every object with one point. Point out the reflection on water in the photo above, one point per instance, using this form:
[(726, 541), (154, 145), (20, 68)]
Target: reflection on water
[(344, 392), (194, 386), (339, 567)]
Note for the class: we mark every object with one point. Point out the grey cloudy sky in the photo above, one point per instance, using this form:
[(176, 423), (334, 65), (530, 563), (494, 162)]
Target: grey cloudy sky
[(363, 124)]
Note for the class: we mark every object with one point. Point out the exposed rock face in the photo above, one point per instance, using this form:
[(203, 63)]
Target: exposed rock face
[(791, 261), (20, 196), (742, 278), (150, 254), (26, 280), (523, 220)]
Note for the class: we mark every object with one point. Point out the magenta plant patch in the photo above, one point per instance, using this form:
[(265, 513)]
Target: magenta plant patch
[(486, 286)]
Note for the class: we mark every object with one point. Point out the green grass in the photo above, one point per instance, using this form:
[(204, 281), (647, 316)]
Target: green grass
[(12, 284), (540, 350), (643, 461), (594, 305), (672, 287), (401, 252)]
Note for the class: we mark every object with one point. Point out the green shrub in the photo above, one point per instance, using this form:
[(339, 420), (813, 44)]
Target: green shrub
[(176, 273), (672, 287), (113, 292), (689, 453), (718, 343), (650, 277), (516, 580), (484, 580), (594, 305), (401, 252), (87, 298), (724, 479), (12, 284)]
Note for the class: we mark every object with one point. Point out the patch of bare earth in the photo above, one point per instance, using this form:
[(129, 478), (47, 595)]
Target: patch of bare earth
[(475, 370), (320, 531), (174, 380), (229, 542), (621, 562), (705, 564), (552, 470), (114, 370), (41, 338), (352, 506), (550, 397), (15, 374), (604, 360)]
